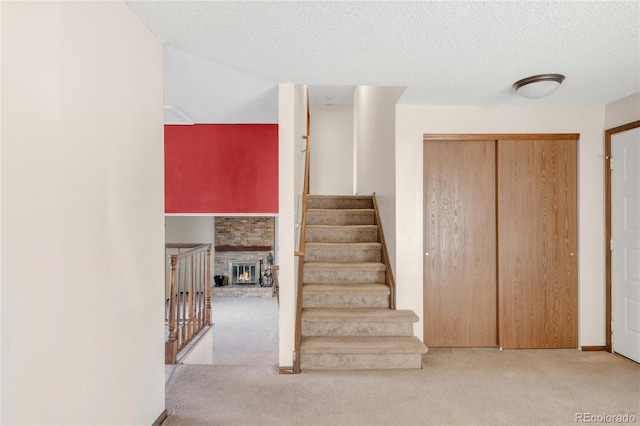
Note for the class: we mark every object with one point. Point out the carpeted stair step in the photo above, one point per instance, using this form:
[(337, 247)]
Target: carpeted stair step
[(342, 252), (347, 320), (361, 352), (357, 322), (344, 273), (336, 296), (340, 217), (341, 234), (339, 202)]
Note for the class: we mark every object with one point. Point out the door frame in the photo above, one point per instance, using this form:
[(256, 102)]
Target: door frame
[(607, 236)]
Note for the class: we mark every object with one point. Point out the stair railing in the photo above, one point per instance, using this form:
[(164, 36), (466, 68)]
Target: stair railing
[(391, 282), (187, 296), (301, 249)]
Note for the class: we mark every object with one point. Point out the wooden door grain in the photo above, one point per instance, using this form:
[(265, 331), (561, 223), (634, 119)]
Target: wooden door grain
[(537, 240), (460, 243)]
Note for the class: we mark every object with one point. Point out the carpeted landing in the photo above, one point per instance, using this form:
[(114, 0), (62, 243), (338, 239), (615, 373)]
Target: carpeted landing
[(454, 387)]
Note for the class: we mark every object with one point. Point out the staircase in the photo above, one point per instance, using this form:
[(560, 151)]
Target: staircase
[(347, 320)]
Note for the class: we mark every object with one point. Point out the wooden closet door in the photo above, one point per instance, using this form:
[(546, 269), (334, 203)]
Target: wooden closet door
[(537, 291), (460, 243)]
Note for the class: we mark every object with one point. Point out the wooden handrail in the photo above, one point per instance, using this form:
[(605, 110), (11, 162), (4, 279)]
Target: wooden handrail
[(193, 248), (301, 249), (189, 296), (300, 281), (182, 245), (391, 282)]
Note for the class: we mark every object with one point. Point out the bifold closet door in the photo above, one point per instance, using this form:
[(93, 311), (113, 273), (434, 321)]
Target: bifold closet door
[(460, 243), (537, 243)]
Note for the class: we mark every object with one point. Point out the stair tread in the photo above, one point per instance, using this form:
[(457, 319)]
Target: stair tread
[(341, 211), (371, 244), (389, 344), (343, 226), (360, 314), (374, 266), (340, 202), (346, 288), (339, 197), (341, 233)]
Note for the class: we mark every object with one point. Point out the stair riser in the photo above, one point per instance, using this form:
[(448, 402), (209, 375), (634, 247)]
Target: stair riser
[(342, 254), (339, 203), (327, 276), (351, 328), (345, 301), (341, 235), (338, 218), (359, 361)]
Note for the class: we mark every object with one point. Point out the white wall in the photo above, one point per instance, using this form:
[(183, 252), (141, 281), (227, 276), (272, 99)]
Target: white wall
[(412, 121), (0, 220), (622, 111), (82, 215), (189, 229), (375, 165), (207, 92), (331, 149), (291, 127)]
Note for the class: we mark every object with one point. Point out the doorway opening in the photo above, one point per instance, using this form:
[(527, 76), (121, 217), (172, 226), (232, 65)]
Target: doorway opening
[(244, 309)]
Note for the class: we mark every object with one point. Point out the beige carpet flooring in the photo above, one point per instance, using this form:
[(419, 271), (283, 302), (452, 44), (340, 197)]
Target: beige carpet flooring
[(245, 330), (454, 387)]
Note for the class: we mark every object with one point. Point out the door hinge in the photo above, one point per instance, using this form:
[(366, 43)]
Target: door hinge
[(610, 163), (612, 326), (611, 244)]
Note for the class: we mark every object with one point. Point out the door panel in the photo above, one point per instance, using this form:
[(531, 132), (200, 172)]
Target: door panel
[(537, 292), (460, 243), (625, 232)]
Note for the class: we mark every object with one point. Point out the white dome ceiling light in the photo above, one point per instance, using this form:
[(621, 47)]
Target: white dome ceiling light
[(538, 86)]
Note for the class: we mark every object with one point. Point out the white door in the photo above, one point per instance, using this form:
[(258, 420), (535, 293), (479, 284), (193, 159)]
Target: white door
[(625, 232)]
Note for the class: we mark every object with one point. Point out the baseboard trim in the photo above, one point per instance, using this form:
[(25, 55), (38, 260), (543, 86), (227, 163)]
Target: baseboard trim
[(161, 418), (285, 370), (593, 348)]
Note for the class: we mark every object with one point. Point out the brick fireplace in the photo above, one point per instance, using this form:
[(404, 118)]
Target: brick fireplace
[(242, 244)]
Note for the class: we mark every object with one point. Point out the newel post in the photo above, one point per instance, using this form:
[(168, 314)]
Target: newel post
[(207, 289), (171, 346)]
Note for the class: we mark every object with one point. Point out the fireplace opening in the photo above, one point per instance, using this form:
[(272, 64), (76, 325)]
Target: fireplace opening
[(243, 272)]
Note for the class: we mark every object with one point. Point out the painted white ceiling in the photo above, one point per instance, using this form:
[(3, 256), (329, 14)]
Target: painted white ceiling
[(444, 52)]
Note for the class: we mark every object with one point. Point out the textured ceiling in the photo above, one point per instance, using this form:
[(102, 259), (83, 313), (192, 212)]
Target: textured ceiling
[(444, 52)]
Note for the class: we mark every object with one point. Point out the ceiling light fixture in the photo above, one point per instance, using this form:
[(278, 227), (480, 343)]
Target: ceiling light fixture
[(538, 86)]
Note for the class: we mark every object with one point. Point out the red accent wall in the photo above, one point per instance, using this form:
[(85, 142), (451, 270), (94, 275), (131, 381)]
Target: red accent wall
[(221, 168)]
